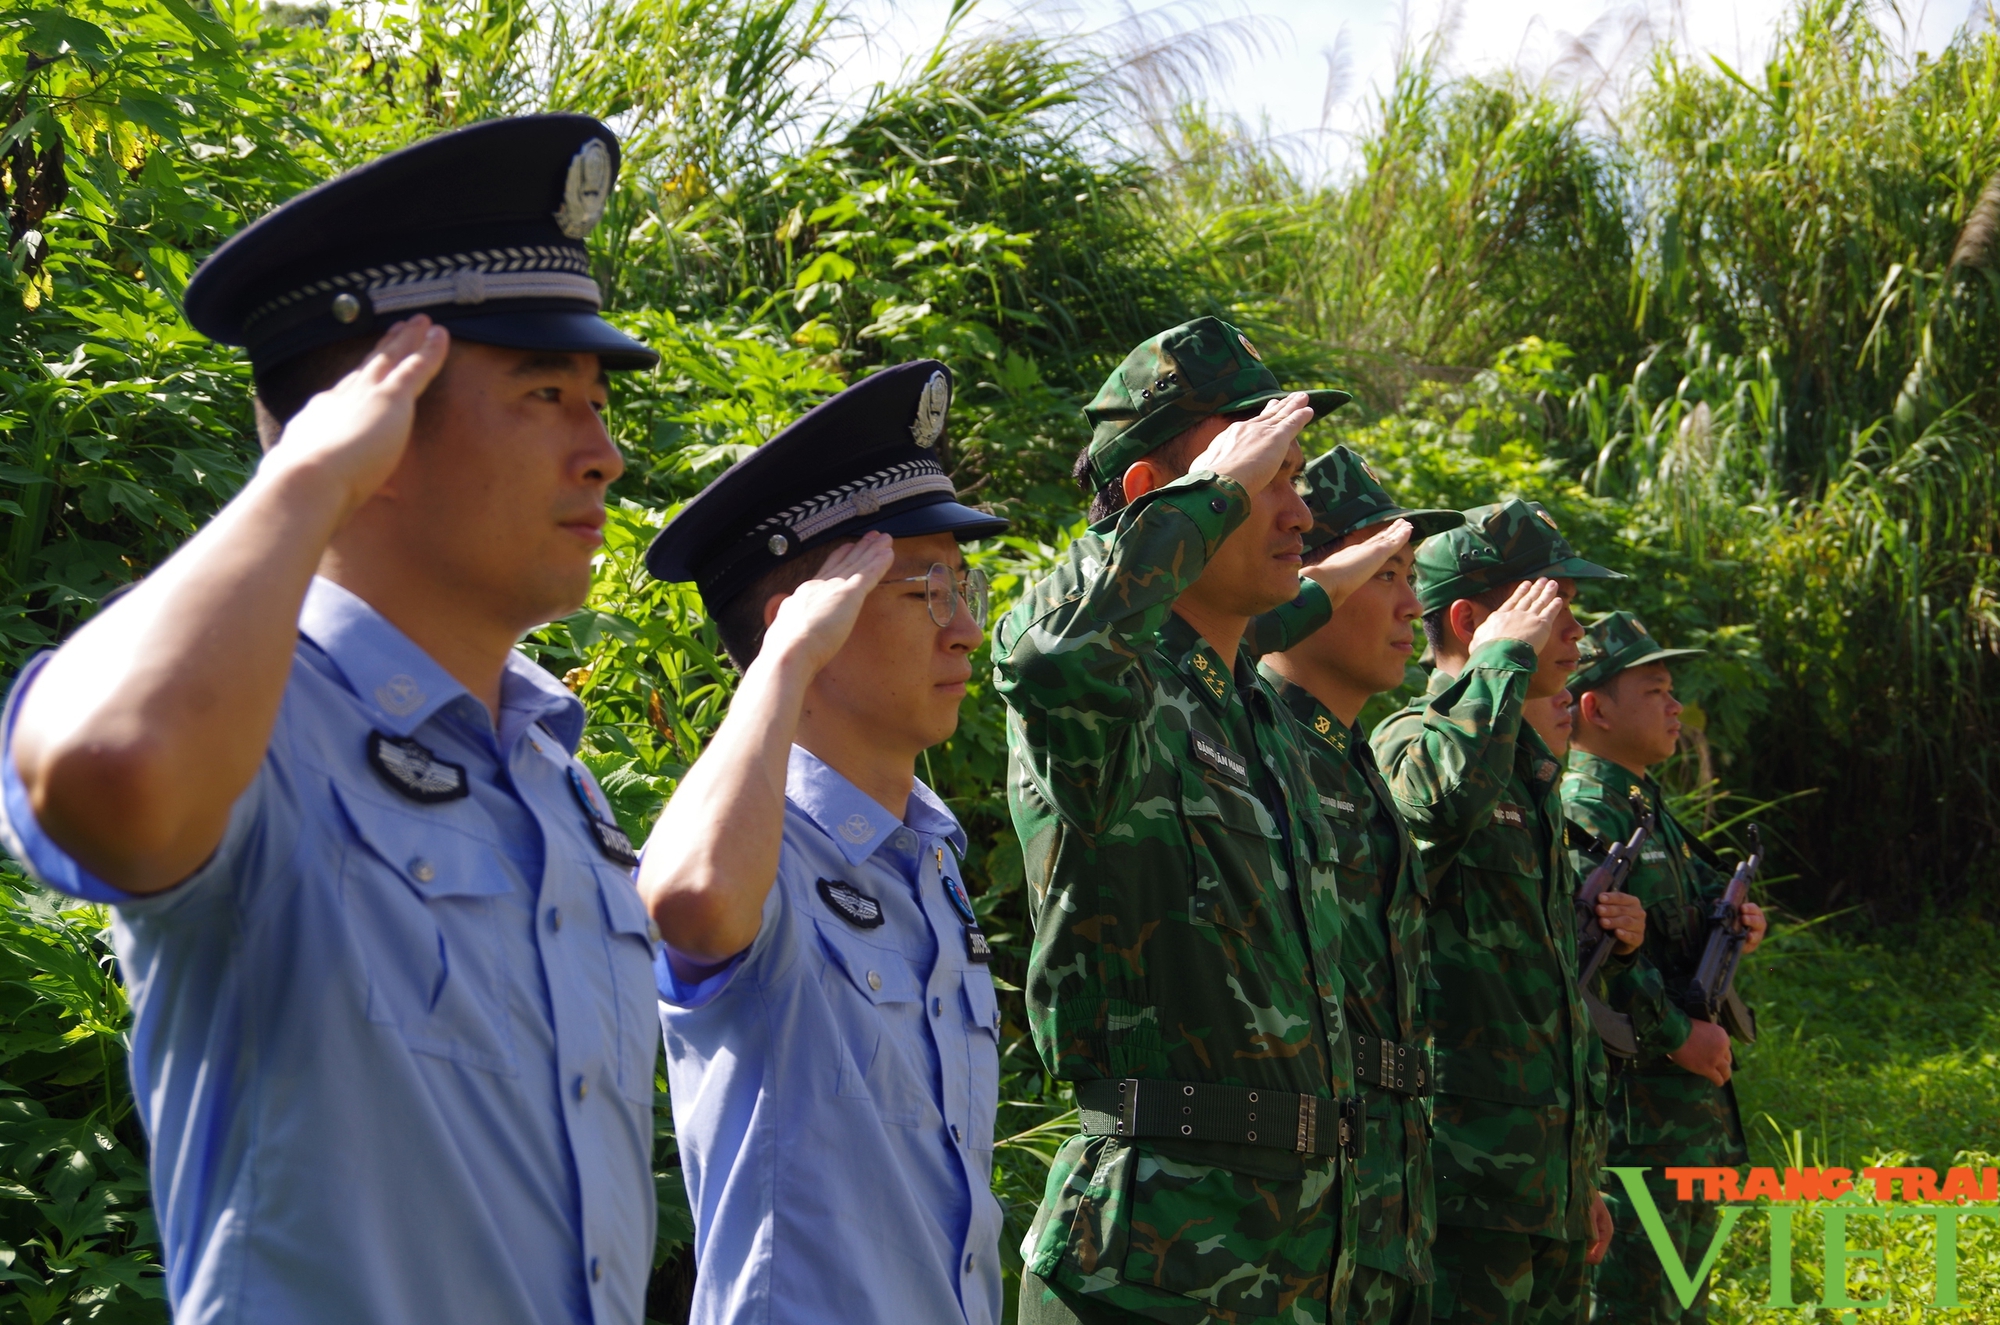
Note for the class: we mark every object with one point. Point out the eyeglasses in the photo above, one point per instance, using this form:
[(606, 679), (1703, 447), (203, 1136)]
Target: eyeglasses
[(943, 591)]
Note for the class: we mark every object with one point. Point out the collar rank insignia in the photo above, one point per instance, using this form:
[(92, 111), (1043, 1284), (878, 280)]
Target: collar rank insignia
[(851, 904), (977, 949), (611, 839), (1545, 771), (413, 770)]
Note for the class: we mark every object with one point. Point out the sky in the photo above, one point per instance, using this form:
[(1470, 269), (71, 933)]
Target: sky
[(1283, 86)]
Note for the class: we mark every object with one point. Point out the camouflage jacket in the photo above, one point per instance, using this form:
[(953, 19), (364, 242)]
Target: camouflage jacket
[(1383, 897), (1186, 924), (1660, 1113), (1519, 1116)]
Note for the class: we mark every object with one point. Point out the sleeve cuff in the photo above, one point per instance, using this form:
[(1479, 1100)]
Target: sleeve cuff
[(696, 993), (48, 863), (1504, 655), (1675, 1027)]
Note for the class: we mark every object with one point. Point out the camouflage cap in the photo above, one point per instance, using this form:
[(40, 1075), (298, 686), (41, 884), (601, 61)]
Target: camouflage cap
[(1498, 545), (1344, 495), (1616, 642), (1174, 381)]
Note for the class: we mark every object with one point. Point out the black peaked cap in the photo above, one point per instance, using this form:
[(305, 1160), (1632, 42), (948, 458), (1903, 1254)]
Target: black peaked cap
[(864, 459), (482, 228)]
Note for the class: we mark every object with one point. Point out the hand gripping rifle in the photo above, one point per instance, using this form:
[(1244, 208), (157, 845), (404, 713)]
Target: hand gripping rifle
[(1711, 993), (1614, 1028)]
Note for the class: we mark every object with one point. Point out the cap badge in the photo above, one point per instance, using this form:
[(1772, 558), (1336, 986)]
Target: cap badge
[(1547, 519), (586, 190), (932, 406), (1248, 348)]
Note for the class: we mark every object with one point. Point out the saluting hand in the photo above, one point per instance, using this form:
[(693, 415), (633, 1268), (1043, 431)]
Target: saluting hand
[(1528, 615), (1250, 450), (1342, 572), (816, 618), (353, 434)]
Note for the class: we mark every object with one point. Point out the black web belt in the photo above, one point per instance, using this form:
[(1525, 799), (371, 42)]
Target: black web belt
[(1405, 1068), (1201, 1111)]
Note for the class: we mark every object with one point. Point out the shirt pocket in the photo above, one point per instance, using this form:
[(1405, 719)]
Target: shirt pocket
[(982, 1043), (421, 894), (1501, 890), (1234, 842), (878, 1011), (629, 950)]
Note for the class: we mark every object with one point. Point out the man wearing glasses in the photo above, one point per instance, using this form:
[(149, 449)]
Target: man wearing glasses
[(831, 1029)]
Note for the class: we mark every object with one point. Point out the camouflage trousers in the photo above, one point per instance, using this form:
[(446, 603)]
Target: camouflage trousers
[(1487, 1277), (1630, 1287), (1377, 1297), (1042, 1303)]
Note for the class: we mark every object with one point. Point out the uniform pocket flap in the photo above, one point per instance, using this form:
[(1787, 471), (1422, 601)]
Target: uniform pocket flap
[(881, 974), (982, 1005), (433, 856), (624, 912)]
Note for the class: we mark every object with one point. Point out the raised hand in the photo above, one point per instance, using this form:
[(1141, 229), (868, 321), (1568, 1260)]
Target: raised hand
[(353, 434), (816, 618), (1341, 573), (1250, 450), (1528, 615)]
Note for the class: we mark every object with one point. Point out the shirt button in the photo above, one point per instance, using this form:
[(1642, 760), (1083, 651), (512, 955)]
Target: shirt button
[(956, 1135), (422, 870), (875, 980), (968, 1262), (1218, 506), (582, 1089), (937, 1007), (596, 1269), (555, 917)]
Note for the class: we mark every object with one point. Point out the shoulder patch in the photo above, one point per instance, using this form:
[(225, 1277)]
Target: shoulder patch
[(851, 904), (410, 767)]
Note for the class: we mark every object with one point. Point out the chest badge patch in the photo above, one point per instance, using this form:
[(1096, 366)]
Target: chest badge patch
[(1220, 758), (977, 949), (411, 768), (851, 904), (610, 838)]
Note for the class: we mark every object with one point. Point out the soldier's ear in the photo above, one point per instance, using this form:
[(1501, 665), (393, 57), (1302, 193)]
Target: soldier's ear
[(1590, 708), (1143, 476), (1464, 617)]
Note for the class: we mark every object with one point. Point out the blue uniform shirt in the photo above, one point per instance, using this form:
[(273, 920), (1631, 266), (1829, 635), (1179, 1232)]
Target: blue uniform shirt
[(834, 1087), (395, 1059)]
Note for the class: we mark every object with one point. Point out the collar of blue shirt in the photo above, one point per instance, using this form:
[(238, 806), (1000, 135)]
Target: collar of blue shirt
[(387, 671), (852, 818)]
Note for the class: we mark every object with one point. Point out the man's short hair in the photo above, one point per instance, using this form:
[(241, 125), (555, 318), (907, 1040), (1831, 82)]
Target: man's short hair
[(740, 621), (283, 389), (1175, 455)]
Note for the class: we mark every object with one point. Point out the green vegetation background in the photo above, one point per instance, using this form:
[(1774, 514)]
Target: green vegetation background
[(1736, 327)]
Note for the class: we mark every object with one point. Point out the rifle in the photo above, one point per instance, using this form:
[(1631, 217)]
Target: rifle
[(1711, 993), (1614, 1028)]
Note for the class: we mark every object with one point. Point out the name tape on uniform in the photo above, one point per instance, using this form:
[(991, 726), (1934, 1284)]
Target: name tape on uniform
[(1220, 758), (1510, 816)]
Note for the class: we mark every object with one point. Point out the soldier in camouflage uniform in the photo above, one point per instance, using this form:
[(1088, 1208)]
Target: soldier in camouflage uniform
[(1325, 680), (1674, 1104), (1519, 1111), (1184, 967)]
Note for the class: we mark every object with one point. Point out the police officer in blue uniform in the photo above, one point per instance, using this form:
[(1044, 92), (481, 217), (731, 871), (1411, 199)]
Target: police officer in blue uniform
[(830, 1025), (393, 1016)]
